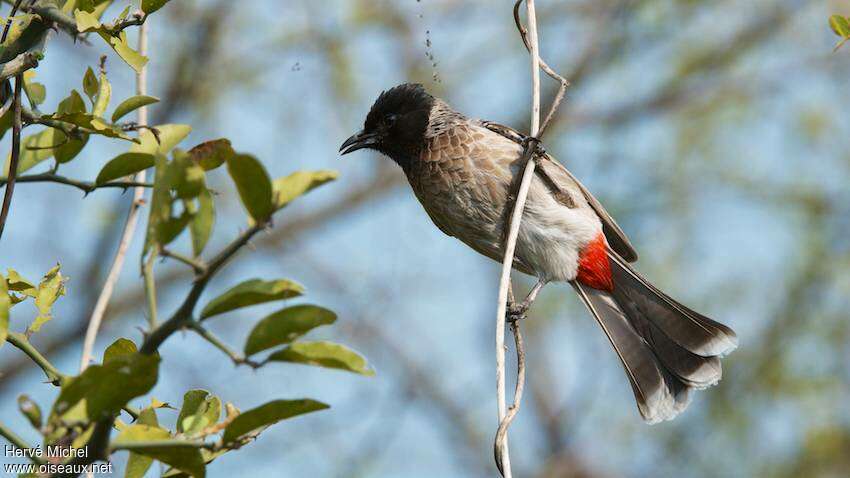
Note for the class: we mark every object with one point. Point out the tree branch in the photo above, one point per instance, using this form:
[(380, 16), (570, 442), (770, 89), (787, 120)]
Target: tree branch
[(129, 227), (19, 442), (16, 152), (196, 264), (183, 316), (85, 186), (19, 64), (20, 341), (236, 357)]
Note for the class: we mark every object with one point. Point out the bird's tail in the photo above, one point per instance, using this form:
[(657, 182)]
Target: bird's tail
[(666, 348)]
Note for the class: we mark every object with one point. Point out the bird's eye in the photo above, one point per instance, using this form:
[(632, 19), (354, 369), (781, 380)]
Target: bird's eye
[(391, 119)]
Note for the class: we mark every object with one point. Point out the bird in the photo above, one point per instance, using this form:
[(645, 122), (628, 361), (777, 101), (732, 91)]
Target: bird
[(462, 170)]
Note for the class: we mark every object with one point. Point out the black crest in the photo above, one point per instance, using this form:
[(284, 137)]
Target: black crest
[(399, 118)]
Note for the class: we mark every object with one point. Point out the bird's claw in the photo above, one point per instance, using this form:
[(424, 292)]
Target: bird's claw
[(535, 144), (516, 312)]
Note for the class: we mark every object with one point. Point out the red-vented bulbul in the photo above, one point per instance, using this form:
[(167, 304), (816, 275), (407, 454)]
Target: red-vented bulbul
[(462, 169)]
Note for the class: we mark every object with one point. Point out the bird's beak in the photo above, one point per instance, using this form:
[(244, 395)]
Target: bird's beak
[(357, 141)]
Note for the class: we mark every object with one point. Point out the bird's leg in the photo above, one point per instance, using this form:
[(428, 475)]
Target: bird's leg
[(518, 311)]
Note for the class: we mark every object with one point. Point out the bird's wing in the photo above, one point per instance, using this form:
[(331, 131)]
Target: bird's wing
[(557, 176)]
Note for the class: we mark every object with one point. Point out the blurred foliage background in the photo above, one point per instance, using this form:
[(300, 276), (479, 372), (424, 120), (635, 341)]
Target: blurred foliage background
[(715, 131)]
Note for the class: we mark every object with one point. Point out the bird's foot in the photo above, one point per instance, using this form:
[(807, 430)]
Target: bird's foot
[(535, 145), (516, 312)]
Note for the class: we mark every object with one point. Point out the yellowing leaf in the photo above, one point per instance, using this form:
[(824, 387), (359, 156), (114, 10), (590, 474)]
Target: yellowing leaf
[(288, 188), (51, 287), (119, 348), (131, 104), (212, 154), (323, 354), (254, 186), (170, 135), (86, 22)]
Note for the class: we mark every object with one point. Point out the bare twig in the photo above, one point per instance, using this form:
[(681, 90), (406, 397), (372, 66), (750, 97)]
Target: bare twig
[(501, 433), (18, 65), (563, 83), (129, 227), (19, 442), (16, 152), (9, 21), (529, 38), (196, 264), (85, 186), (237, 358)]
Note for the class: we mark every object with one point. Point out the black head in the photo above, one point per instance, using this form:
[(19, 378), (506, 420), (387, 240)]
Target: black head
[(396, 124)]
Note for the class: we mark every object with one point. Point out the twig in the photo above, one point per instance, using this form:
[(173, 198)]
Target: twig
[(85, 186), (563, 82), (20, 341), (18, 65), (183, 316), (219, 344), (9, 21), (529, 38), (20, 443), (16, 152), (501, 433), (196, 264), (126, 234)]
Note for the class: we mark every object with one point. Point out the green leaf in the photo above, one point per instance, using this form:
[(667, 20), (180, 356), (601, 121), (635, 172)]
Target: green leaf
[(288, 188), (119, 348), (104, 93), (105, 389), (169, 229), (254, 186), (284, 326), (184, 458), (5, 305), (137, 465), (65, 149), (86, 22), (160, 210), (31, 410), (34, 149), (251, 292), (186, 178), (252, 420), (200, 410), (90, 84), (150, 6), (51, 287), (169, 136), (131, 104), (72, 104), (129, 55), (125, 165), (212, 154), (323, 354), (203, 219)]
